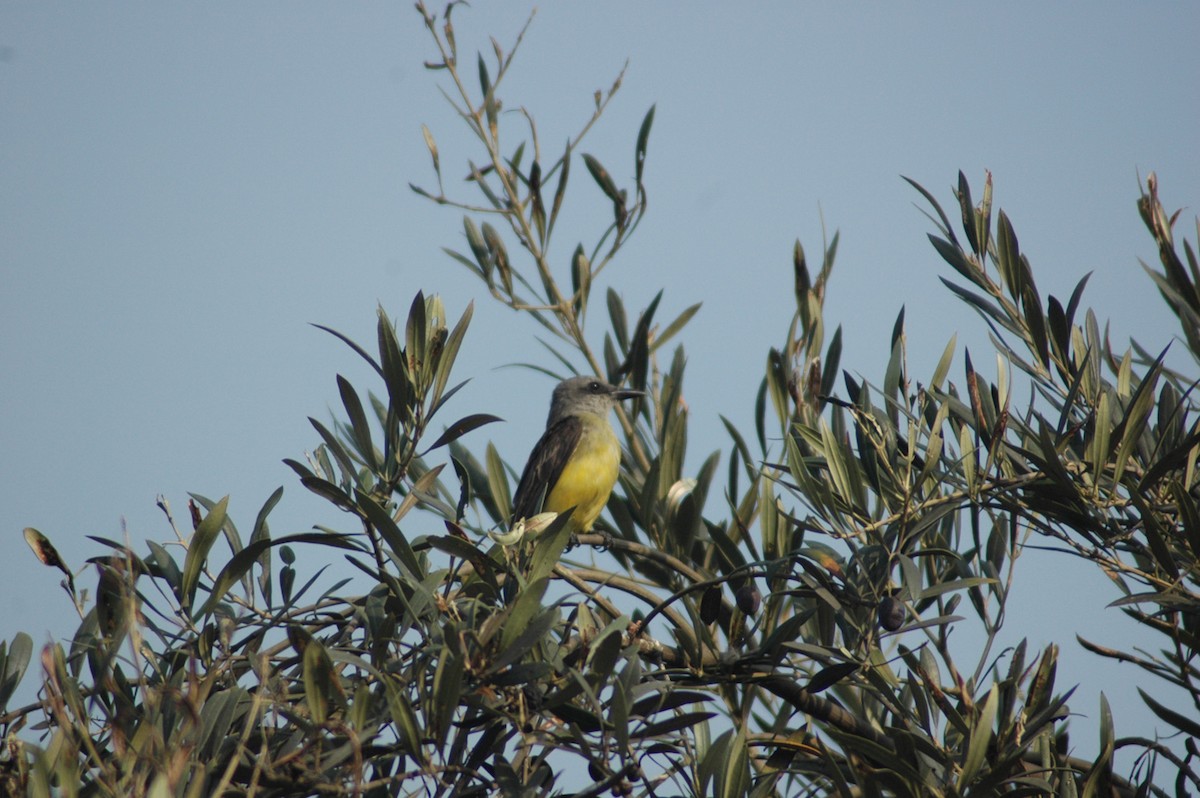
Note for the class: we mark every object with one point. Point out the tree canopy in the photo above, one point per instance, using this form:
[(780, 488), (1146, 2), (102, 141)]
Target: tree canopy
[(774, 622)]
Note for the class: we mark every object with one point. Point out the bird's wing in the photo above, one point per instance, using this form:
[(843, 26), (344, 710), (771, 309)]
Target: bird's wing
[(545, 466)]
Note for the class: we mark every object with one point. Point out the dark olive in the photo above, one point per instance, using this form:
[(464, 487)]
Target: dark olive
[(891, 613), (710, 604), (748, 598)]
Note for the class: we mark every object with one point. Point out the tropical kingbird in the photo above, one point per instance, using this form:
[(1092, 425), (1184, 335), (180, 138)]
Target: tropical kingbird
[(575, 463)]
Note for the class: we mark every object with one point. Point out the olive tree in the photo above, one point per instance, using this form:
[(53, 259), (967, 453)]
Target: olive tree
[(774, 622)]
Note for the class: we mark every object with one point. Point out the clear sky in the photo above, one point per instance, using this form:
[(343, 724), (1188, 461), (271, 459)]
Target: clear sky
[(184, 187)]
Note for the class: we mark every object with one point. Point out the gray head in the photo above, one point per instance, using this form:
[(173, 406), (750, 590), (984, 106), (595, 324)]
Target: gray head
[(580, 395)]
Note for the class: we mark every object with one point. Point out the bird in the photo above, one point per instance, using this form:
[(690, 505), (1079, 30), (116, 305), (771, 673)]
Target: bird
[(573, 467)]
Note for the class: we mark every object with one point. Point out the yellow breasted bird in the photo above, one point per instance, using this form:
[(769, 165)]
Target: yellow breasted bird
[(575, 463)]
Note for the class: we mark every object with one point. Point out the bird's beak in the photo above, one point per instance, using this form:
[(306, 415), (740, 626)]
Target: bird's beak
[(627, 393)]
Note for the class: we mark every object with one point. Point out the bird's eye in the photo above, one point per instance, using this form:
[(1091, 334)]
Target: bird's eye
[(595, 387)]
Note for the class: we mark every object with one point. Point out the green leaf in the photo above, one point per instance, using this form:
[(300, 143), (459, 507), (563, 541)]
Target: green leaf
[(581, 278), (529, 633), (1189, 515), (361, 352), (527, 604), (485, 83), (984, 307), (1060, 334), (733, 780), (420, 192), (833, 357), (956, 584), (1076, 296), (538, 209), (911, 573), (955, 257), (743, 451), (829, 676), (944, 223), (1008, 256), (433, 150), (683, 720), (1100, 447), (637, 359), (1184, 723), (478, 248), (198, 548), (893, 375), (260, 522), (983, 218), (968, 213), (981, 735), (217, 719), (549, 548), (839, 465), (622, 699), (13, 664), (358, 423), (620, 322), (446, 695), (247, 557), (462, 427), (318, 681), (515, 161), (561, 190), (1131, 426), (390, 532), (969, 457), (498, 254), (666, 699), (605, 651), (330, 492), (801, 279), (231, 534), (261, 532), (498, 484), (416, 338), (476, 175), (464, 550), (1031, 306), (334, 447), (602, 178), (475, 268), (395, 371), (1101, 769), (445, 397), (642, 139), (161, 565), (671, 329), (450, 354)]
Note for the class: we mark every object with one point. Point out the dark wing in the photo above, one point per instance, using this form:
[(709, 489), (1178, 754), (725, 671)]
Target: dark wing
[(545, 466)]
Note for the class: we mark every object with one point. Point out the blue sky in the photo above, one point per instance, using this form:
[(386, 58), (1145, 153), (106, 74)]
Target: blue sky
[(185, 187)]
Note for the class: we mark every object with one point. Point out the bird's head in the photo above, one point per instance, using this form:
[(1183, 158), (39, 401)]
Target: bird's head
[(586, 395)]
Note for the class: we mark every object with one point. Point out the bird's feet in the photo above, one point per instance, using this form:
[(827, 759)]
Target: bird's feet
[(589, 539), (606, 539)]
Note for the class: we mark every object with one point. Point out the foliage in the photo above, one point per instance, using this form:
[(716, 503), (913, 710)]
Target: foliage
[(778, 627)]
